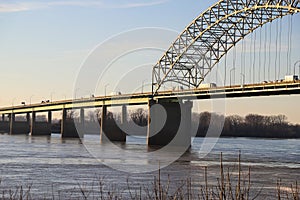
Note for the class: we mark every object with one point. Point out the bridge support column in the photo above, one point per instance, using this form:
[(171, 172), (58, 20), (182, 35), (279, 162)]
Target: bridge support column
[(170, 124), (68, 127), (4, 125), (17, 127), (40, 128), (110, 130), (50, 117), (82, 120), (124, 114)]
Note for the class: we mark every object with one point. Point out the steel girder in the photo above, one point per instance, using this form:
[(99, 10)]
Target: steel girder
[(211, 35)]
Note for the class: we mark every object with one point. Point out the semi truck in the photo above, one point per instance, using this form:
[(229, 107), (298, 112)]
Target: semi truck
[(290, 78), (207, 85)]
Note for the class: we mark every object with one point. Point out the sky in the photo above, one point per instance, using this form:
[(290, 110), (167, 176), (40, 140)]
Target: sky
[(45, 47)]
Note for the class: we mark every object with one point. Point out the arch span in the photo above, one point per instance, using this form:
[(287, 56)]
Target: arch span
[(211, 35)]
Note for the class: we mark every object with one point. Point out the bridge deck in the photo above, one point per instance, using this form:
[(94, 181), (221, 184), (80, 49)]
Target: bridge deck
[(264, 89)]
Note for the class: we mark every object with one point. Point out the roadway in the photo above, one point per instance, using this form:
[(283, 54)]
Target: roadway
[(234, 91)]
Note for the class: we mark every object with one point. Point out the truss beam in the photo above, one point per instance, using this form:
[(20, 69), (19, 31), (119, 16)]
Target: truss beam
[(211, 35)]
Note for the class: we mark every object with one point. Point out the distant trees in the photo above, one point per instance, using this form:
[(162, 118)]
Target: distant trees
[(204, 121), (139, 117), (252, 125), (71, 115)]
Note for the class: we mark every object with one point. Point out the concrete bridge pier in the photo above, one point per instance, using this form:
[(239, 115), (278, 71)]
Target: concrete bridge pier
[(170, 124), (41, 128), (70, 128), (4, 125), (19, 127), (110, 129)]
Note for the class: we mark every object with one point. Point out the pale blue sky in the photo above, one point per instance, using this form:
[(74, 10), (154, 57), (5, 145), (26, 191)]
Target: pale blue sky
[(44, 43)]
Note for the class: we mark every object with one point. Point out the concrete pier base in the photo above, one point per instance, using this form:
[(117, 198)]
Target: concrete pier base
[(110, 130), (70, 129), (19, 127), (40, 128), (4, 126), (169, 124)]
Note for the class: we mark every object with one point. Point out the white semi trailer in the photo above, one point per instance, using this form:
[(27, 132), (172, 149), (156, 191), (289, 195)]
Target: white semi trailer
[(290, 78)]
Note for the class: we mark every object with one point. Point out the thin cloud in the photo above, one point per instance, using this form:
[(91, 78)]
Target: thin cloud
[(14, 7), (26, 6)]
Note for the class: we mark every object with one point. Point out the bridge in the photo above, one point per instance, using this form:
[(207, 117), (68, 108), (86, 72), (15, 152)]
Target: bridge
[(186, 64)]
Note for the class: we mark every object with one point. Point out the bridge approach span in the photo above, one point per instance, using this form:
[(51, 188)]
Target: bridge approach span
[(236, 91)]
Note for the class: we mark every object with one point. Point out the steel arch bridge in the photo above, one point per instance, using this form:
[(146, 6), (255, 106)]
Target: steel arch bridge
[(211, 35)]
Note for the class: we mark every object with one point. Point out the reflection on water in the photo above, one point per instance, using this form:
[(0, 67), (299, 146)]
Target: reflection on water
[(52, 164)]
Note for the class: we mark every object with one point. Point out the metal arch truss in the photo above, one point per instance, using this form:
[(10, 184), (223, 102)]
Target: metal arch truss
[(211, 35)]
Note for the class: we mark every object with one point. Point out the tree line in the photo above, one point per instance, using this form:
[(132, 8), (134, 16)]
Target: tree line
[(252, 125)]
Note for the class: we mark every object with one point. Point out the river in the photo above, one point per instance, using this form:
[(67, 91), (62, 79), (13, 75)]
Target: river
[(56, 168)]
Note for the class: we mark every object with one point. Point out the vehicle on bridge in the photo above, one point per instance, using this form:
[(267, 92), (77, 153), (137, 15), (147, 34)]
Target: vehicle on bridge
[(207, 85), (115, 93), (290, 78)]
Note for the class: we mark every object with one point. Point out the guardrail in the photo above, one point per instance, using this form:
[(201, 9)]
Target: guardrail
[(263, 89)]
